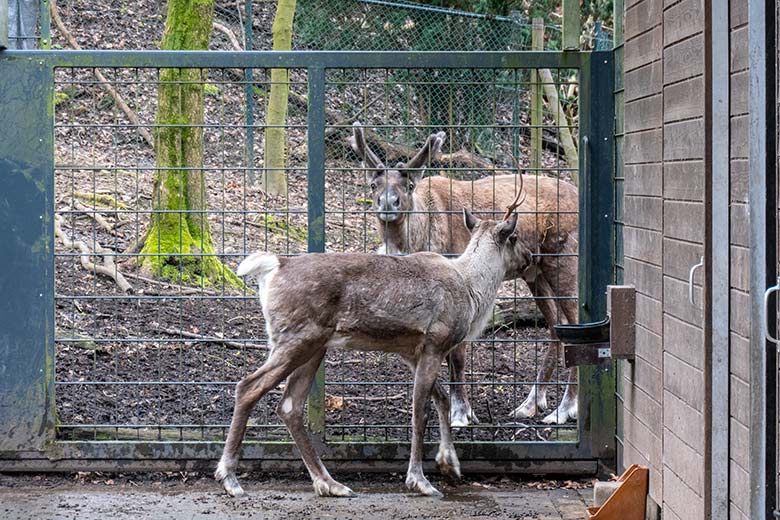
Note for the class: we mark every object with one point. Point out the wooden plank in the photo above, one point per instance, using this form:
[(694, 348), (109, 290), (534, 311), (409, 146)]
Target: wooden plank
[(643, 81), (571, 24), (643, 147), (739, 273), (686, 422), (645, 277), (684, 60), (642, 17), (683, 20), (684, 380), (643, 48), (679, 257), (684, 180), (685, 462), (738, 13), (677, 304), (643, 114), (684, 100), (643, 179), (684, 140), (739, 50), (740, 136), (739, 225), (678, 339), (739, 312), (739, 180), (649, 347), (739, 443), (642, 244), (643, 212), (645, 407), (740, 400), (537, 43), (739, 94), (739, 356), (684, 220), (649, 313)]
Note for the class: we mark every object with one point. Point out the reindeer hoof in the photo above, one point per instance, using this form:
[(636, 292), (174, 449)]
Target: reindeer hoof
[(563, 414), (231, 485), (421, 485), (462, 415), (331, 488), (447, 459), (530, 407)]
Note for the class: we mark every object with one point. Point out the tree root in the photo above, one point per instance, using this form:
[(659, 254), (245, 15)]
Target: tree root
[(107, 268), (211, 339)]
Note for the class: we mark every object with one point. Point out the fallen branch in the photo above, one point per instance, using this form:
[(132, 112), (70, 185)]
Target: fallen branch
[(183, 290), (55, 16), (211, 339), (230, 36), (100, 219), (108, 267)]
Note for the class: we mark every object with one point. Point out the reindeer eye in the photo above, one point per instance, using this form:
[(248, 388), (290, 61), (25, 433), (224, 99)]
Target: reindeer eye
[(411, 185), (373, 186)]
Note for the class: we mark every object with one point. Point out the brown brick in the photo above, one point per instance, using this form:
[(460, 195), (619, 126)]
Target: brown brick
[(645, 277), (643, 179), (679, 257), (643, 81), (684, 100), (739, 312), (739, 225), (739, 443), (684, 220), (738, 92), (738, 59), (739, 487), (684, 140), (649, 313), (683, 20), (684, 421), (739, 400), (681, 499), (740, 268), (684, 462), (739, 137), (684, 340), (684, 180), (649, 346), (641, 17), (739, 356), (643, 114), (642, 244), (677, 304), (684, 380), (643, 147), (684, 60), (646, 408), (642, 49), (644, 212), (740, 175), (738, 13)]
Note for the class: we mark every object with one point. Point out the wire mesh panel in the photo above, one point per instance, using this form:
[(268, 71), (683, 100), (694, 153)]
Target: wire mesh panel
[(156, 352)]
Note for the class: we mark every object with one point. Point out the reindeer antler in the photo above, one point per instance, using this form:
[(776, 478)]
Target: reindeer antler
[(517, 202)]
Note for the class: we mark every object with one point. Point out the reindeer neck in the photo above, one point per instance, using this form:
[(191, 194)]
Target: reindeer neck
[(483, 271)]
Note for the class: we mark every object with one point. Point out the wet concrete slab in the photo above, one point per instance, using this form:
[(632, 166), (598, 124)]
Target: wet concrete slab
[(285, 499)]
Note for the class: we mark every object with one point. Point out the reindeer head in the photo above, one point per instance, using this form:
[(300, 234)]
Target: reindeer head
[(392, 188)]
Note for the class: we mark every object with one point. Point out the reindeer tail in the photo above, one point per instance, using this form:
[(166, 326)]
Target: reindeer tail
[(258, 265)]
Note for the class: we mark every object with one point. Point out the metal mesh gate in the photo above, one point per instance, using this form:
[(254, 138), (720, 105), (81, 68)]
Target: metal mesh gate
[(148, 373)]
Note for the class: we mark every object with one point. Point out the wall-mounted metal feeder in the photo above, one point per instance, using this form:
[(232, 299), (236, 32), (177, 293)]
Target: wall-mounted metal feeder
[(602, 341)]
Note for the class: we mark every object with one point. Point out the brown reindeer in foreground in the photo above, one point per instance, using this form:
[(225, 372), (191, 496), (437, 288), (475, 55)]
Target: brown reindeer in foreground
[(419, 306), (416, 214)]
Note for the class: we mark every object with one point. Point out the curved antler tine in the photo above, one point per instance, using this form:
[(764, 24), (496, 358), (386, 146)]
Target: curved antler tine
[(518, 201)]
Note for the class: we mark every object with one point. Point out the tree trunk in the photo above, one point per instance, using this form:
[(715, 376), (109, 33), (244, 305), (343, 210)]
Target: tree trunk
[(274, 178), (179, 225)]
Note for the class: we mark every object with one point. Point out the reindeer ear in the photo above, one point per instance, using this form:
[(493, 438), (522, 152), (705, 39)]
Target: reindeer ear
[(470, 220), (506, 228), (369, 159)]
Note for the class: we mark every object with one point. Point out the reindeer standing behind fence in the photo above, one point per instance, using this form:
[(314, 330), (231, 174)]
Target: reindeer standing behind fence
[(419, 306), (416, 214)]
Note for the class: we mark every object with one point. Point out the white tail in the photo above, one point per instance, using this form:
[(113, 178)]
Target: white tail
[(258, 265)]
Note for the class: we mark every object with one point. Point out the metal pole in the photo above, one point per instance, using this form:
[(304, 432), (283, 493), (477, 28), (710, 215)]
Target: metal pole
[(762, 199)]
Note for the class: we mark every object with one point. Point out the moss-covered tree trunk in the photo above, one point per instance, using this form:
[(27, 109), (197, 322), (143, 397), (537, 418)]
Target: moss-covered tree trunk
[(179, 225), (274, 178)]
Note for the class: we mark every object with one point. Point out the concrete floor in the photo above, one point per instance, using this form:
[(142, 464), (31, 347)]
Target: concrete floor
[(103, 498)]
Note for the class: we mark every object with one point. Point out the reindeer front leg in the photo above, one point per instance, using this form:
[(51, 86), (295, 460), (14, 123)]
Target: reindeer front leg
[(461, 412), (425, 374)]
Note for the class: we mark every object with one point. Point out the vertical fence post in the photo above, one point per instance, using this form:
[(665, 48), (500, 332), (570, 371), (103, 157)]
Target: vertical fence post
[(45, 25), (26, 282), (597, 383), (316, 219), (248, 94), (537, 44), (571, 25)]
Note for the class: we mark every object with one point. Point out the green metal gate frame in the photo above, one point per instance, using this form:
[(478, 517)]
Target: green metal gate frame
[(27, 410)]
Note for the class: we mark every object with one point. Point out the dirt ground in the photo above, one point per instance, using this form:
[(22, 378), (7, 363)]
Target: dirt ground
[(87, 496)]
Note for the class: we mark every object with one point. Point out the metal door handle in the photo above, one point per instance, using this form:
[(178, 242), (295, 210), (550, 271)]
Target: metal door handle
[(767, 294), (691, 274)]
